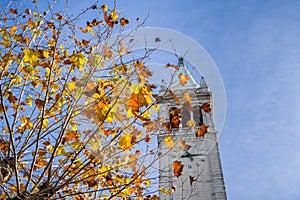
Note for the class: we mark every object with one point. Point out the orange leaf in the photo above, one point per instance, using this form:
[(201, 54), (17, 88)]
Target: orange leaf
[(83, 30), (183, 79), (71, 135), (172, 66), (206, 107), (183, 146), (124, 21), (177, 168), (13, 29), (40, 163), (13, 11), (201, 131)]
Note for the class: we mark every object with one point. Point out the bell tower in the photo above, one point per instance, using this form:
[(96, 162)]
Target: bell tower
[(189, 165)]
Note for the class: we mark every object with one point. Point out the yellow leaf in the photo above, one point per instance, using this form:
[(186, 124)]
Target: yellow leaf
[(125, 141), (191, 123), (170, 142), (104, 7), (71, 86), (31, 57), (45, 54), (114, 15), (90, 29), (155, 107), (187, 97), (78, 59)]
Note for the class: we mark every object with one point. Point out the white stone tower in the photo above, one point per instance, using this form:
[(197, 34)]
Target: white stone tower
[(202, 177)]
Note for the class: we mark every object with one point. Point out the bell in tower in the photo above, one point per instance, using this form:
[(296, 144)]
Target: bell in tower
[(190, 168)]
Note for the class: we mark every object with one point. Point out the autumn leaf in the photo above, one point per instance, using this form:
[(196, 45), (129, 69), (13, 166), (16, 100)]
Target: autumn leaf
[(114, 15), (40, 163), (13, 29), (192, 179), (205, 107), (12, 98), (39, 103), (186, 97), (177, 168), (83, 30), (71, 135), (172, 66), (31, 57), (191, 123), (169, 142), (183, 79), (122, 49), (201, 131), (78, 59), (108, 20), (174, 96), (125, 141), (167, 126), (85, 42), (183, 146), (124, 21), (104, 7), (13, 11), (28, 11)]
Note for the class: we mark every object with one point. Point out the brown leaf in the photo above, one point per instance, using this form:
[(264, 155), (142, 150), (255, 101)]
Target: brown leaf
[(12, 98), (183, 146), (192, 179), (28, 11), (124, 21), (172, 66), (85, 42), (177, 168), (206, 107), (13, 11), (202, 131)]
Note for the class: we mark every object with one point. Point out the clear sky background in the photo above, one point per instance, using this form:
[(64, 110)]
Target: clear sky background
[(256, 46)]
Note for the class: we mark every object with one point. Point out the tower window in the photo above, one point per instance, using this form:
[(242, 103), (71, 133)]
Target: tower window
[(197, 115), (175, 115)]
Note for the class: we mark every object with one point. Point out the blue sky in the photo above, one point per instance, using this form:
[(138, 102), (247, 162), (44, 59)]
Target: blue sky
[(255, 45)]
